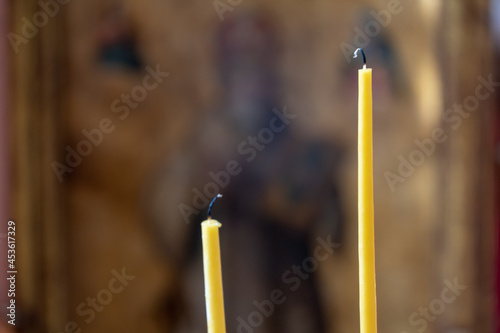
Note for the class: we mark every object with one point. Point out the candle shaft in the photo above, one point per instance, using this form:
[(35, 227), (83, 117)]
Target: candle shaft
[(366, 238), (213, 277)]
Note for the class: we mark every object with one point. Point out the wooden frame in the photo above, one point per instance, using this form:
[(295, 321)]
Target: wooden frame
[(38, 85)]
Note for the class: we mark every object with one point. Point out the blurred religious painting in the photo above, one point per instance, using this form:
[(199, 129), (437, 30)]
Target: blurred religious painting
[(280, 194)]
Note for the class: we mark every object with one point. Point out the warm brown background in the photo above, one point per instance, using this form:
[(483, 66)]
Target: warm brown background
[(436, 226)]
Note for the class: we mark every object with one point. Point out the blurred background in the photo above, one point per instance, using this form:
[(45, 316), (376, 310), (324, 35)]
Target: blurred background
[(121, 119)]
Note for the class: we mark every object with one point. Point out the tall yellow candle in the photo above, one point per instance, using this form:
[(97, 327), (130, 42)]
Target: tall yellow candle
[(366, 237), (214, 298)]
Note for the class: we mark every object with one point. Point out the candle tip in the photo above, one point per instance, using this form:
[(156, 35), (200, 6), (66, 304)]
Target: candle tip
[(209, 212), (362, 53)]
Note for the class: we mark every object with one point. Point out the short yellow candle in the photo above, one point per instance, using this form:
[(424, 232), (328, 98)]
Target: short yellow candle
[(366, 237), (213, 277)]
